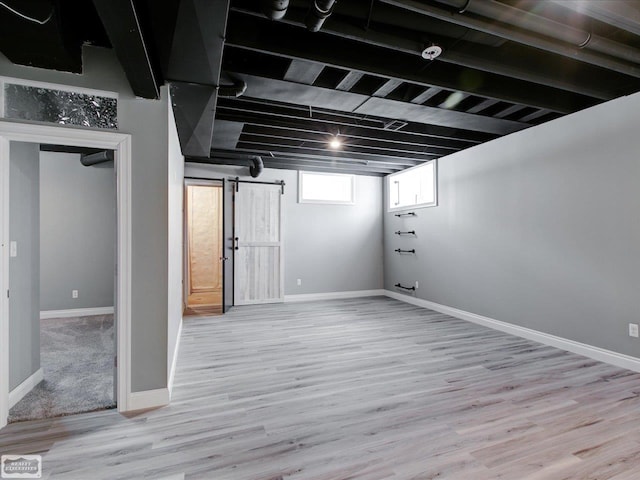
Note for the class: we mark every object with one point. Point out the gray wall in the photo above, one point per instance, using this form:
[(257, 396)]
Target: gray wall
[(331, 248), (24, 269), (176, 196), (77, 232), (539, 229), (146, 121)]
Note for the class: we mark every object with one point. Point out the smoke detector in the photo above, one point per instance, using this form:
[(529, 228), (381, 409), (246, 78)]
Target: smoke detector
[(431, 52)]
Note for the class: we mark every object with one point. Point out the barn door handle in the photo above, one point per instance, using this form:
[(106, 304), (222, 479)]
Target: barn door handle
[(237, 247)]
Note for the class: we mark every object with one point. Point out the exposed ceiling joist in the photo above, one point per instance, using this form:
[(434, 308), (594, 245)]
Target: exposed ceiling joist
[(333, 51), (480, 58), (301, 71), (492, 27), (291, 115)]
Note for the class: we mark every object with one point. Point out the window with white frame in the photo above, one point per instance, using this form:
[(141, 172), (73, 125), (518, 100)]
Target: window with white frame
[(330, 188), (413, 188)]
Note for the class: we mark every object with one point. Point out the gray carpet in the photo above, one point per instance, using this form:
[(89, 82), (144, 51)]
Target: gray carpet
[(77, 361)]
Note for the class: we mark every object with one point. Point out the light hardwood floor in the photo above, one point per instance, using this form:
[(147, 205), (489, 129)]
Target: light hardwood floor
[(358, 389)]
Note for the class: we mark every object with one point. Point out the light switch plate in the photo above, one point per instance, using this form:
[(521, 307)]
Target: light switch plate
[(13, 248)]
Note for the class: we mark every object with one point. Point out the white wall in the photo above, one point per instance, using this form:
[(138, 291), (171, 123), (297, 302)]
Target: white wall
[(539, 229), (24, 268), (331, 248), (77, 232)]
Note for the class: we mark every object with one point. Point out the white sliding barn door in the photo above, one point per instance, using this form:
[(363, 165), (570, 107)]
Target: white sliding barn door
[(258, 235)]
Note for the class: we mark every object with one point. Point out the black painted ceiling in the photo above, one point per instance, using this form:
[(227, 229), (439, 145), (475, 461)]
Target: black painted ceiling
[(506, 65)]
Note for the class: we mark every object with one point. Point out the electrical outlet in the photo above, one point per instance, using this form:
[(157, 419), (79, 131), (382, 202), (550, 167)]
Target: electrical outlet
[(416, 284), (299, 281), (633, 330), (74, 293)]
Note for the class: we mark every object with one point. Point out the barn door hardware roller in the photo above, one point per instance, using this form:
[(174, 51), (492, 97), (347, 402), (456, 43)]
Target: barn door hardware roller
[(238, 182)]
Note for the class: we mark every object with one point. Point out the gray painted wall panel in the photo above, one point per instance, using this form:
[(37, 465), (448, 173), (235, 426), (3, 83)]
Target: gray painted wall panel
[(331, 248), (24, 269), (538, 229), (146, 121), (176, 196), (77, 232)]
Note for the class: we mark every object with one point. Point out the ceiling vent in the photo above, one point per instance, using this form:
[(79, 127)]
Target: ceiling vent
[(395, 125)]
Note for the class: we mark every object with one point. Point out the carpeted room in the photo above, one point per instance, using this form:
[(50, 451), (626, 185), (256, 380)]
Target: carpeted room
[(62, 350)]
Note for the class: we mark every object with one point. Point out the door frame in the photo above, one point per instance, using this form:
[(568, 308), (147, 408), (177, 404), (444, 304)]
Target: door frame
[(206, 182), (78, 137)]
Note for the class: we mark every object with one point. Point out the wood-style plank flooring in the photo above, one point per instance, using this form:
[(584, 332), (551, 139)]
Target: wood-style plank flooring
[(357, 389)]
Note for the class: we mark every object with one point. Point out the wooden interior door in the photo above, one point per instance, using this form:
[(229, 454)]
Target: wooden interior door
[(204, 246), (258, 253)]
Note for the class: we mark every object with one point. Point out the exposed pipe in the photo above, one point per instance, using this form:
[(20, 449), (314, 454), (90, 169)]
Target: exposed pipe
[(545, 26), (95, 158), (275, 9), (257, 166), (584, 51), (236, 90), (619, 13), (318, 13)]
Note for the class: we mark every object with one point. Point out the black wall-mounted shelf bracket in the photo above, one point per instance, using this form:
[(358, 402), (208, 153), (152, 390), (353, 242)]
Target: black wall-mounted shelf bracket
[(399, 250), (399, 285), (408, 214)]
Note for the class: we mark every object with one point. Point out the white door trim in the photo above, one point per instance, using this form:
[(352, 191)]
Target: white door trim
[(64, 135)]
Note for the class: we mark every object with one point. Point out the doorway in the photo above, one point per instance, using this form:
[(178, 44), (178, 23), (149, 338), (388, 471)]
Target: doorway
[(62, 213), (204, 248), (121, 144)]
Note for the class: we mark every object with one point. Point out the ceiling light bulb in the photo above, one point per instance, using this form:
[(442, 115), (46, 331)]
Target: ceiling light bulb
[(335, 143)]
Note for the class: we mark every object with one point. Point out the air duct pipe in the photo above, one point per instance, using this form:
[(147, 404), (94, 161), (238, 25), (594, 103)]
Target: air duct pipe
[(95, 158), (236, 90), (318, 13), (275, 9), (257, 165), (584, 46), (545, 26), (619, 13)]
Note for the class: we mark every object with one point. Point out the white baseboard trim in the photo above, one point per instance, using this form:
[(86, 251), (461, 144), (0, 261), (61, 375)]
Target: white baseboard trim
[(172, 372), (148, 399), (25, 387), (596, 353), (308, 297), (76, 312)]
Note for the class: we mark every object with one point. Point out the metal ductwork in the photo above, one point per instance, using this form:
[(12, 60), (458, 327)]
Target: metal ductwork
[(583, 46), (237, 89), (275, 9), (318, 13), (257, 165), (619, 13), (95, 158)]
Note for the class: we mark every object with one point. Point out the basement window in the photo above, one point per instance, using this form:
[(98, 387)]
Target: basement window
[(415, 187), (328, 188)]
